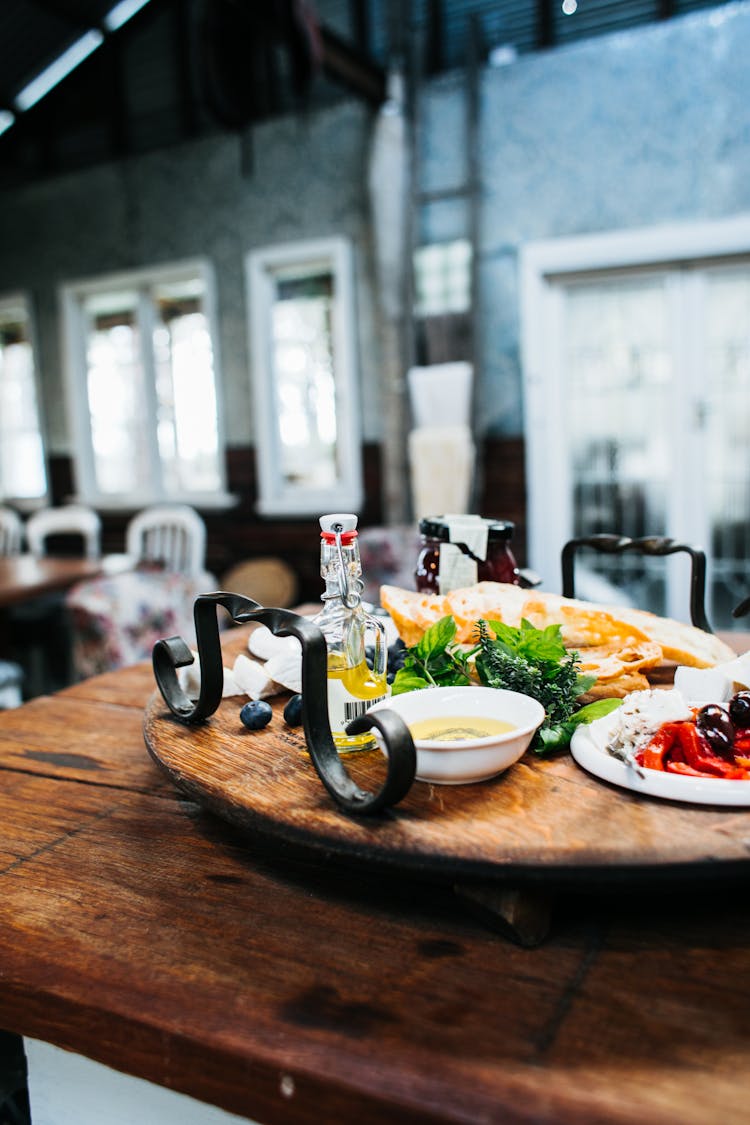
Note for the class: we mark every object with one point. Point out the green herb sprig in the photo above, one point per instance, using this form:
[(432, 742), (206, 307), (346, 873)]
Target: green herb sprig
[(526, 659), (434, 662)]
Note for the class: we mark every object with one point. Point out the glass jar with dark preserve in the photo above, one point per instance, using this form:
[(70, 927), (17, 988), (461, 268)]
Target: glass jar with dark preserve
[(459, 551)]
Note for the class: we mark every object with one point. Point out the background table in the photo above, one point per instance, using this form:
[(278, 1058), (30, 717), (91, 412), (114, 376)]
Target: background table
[(23, 577), (142, 932)]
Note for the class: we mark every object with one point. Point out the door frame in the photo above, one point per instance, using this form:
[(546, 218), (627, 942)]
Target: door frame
[(543, 266)]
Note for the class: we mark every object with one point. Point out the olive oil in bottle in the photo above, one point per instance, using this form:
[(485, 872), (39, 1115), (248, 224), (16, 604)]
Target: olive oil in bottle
[(357, 649)]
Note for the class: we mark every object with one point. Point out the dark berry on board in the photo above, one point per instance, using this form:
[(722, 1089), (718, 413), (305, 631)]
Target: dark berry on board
[(293, 711), (256, 714)]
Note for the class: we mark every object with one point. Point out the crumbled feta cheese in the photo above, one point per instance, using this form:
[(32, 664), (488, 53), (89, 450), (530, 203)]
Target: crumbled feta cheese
[(639, 718)]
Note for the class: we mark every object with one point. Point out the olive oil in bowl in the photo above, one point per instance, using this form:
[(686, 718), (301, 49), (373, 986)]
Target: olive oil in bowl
[(459, 729), (466, 734)]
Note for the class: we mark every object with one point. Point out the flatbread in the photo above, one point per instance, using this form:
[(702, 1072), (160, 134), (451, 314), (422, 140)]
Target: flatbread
[(613, 642), (613, 662), (682, 643)]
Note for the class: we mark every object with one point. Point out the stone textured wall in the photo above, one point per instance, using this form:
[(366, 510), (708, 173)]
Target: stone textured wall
[(293, 179), (628, 130)]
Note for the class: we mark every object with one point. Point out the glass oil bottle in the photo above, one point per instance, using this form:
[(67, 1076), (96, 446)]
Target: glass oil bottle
[(357, 648)]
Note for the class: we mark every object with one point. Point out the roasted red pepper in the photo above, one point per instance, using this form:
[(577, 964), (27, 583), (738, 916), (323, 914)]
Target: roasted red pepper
[(681, 748), (655, 755), (701, 757), (683, 767)]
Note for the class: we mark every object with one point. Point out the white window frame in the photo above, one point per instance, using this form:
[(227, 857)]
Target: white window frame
[(542, 265), (275, 497), (71, 296), (28, 504)]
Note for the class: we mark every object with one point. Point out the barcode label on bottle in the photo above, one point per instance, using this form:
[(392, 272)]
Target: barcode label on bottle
[(352, 710)]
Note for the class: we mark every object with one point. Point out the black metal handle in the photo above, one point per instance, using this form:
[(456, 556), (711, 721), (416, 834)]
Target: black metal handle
[(173, 653), (742, 609), (648, 545)]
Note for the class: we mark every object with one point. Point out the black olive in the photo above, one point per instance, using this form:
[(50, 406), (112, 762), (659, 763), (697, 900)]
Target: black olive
[(739, 709), (715, 725)]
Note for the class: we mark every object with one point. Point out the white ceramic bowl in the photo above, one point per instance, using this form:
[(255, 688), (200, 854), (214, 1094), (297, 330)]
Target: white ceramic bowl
[(455, 763)]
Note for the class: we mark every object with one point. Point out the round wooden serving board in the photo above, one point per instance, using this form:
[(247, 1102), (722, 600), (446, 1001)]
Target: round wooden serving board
[(543, 818)]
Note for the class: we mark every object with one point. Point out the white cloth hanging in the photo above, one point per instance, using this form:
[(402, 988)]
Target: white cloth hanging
[(441, 459)]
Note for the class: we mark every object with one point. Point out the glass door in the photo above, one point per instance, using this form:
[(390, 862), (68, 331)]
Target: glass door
[(724, 378), (618, 373), (641, 411)]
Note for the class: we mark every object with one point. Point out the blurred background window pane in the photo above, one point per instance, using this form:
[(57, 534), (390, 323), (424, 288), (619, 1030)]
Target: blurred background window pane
[(150, 387), (442, 278), (305, 377), (305, 386), (22, 465)]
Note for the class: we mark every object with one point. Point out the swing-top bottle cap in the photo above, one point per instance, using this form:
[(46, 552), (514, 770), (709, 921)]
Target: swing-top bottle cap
[(346, 521)]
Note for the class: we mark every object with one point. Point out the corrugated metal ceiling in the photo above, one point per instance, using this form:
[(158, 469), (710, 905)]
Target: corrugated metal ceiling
[(142, 89)]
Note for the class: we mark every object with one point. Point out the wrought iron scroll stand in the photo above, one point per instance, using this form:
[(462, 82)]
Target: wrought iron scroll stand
[(518, 913), (173, 653), (648, 545)]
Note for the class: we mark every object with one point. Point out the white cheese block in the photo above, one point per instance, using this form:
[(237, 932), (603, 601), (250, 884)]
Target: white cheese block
[(286, 669), (703, 685), (264, 644), (189, 679), (253, 679)]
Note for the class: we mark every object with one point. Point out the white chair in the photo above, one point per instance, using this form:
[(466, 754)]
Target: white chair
[(11, 532), (174, 535), (71, 519)]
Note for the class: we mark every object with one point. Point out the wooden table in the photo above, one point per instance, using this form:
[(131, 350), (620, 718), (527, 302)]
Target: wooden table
[(140, 931), (23, 577)]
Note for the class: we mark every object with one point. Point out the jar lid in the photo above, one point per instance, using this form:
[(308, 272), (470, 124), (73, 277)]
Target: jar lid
[(436, 527)]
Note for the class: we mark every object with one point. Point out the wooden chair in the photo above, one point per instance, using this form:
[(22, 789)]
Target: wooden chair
[(268, 581), (41, 629), (71, 519), (171, 534), (11, 532)]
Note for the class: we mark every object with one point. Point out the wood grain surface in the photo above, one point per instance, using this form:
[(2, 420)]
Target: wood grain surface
[(542, 818), (143, 931)]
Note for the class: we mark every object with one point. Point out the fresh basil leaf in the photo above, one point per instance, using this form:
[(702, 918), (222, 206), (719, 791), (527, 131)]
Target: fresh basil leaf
[(436, 639), (553, 738), (406, 680), (542, 644), (596, 710)]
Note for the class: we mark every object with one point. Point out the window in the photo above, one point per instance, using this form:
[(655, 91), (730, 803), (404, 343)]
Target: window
[(143, 382), (304, 373), (23, 475), (442, 278), (638, 406)]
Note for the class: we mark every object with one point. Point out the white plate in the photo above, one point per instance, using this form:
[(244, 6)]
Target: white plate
[(588, 749)]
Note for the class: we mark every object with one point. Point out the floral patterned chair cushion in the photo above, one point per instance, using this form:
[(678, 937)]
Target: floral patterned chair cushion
[(117, 620)]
